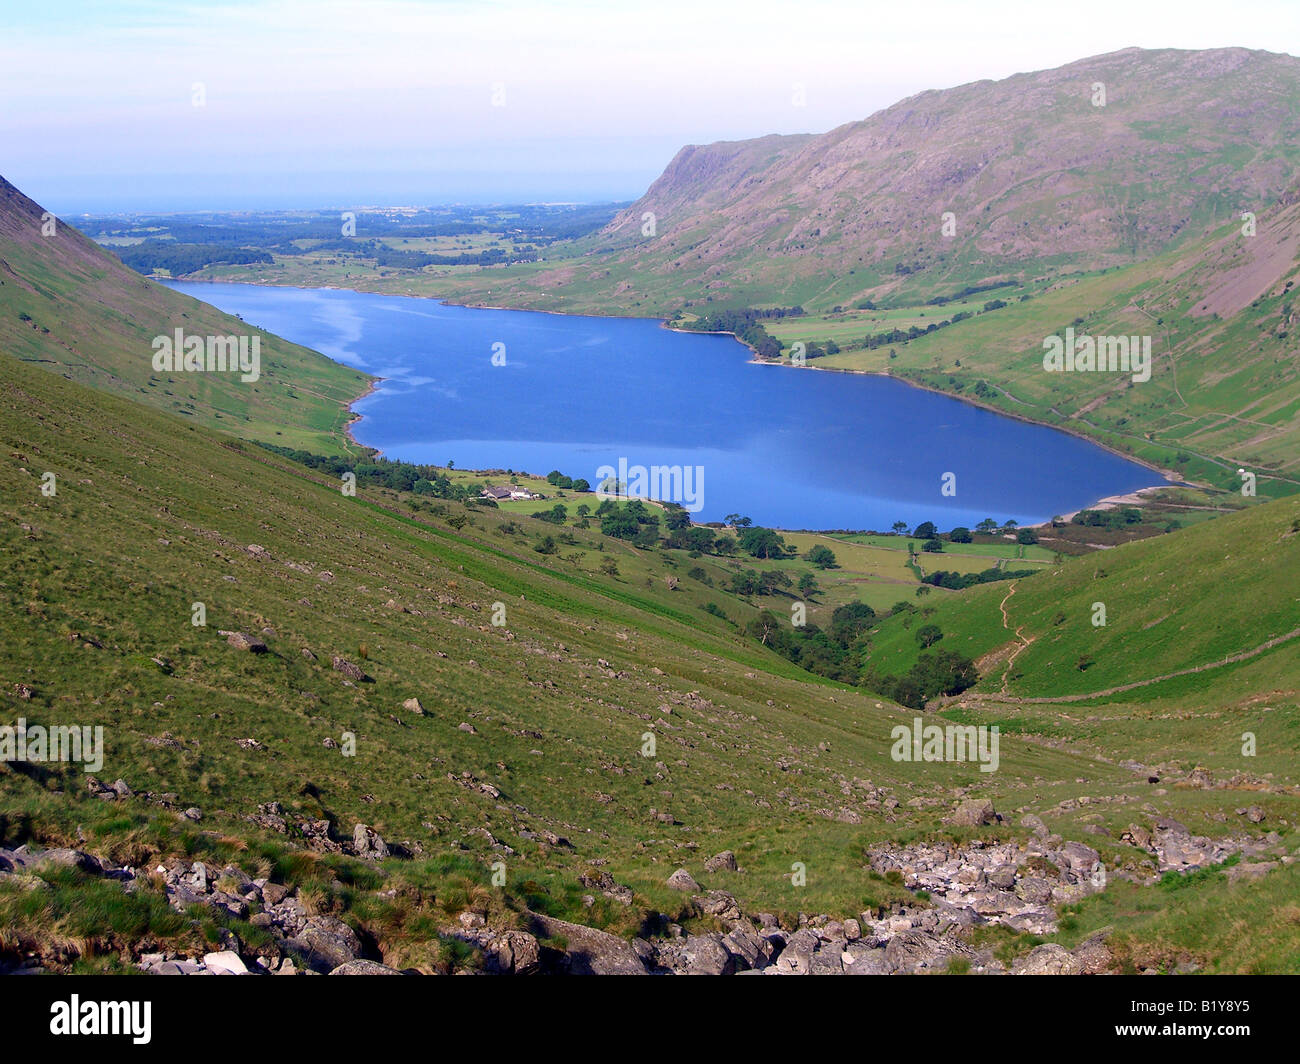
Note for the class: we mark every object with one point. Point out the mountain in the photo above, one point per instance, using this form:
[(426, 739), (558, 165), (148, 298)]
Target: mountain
[(1038, 178), (72, 307), (1034, 173)]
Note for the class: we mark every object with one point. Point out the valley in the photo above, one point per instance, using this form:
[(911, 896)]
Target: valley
[(362, 713)]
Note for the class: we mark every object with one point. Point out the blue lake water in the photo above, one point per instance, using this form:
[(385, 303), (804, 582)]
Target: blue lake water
[(789, 448)]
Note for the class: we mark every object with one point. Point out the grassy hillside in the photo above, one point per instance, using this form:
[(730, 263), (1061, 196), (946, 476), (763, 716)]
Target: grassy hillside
[(1224, 390), (1168, 604), (71, 307), (752, 755)]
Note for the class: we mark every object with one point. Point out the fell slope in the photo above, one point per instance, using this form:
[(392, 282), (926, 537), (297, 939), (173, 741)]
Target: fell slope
[(69, 306), (1224, 390), (752, 755), (1168, 605), (529, 747)]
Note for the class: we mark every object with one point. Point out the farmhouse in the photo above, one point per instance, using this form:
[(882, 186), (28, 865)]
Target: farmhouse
[(512, 492)]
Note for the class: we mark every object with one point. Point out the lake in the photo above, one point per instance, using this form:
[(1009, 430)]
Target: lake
[(787, 447)]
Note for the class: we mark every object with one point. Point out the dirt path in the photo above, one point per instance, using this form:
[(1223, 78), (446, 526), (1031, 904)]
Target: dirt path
[(1020, 639), (1119, 689)]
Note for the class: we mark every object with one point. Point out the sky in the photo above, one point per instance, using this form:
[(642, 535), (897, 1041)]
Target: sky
[(133, 105)]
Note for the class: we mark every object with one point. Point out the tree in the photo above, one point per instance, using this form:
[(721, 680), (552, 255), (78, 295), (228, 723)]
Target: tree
[(647, 535), (821, 556), (744, 583), (620, 524), (736, 521), (773, 580), (900, 528), (725, 546), (553, 477), (581, 485), (762, 543), (698, 538), (929, 634), (1009, 525), (850, 621), (925, 530), (986, 526), (933, 545), (808, 585), (960, 534), (676, 517), (1027, 536)]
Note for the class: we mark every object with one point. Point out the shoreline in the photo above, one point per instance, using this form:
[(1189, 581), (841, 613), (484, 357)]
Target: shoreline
[(1171, 478), (354, 417)]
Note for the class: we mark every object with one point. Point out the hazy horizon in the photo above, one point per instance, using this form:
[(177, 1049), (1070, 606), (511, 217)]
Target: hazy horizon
[(137, 105)]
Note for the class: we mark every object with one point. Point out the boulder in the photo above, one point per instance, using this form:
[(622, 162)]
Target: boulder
[(1093, 955), (412, 705), (912, 950), (750, 949), (244, 641), (973, 813), (177, 968), (706, 955), (1034, 890), (720, 904), (368, 843), (225, 962), (352, 672), (1033, 823), (364, 968), (514, 953), (587, 950), (866, 962), (1047, 959), (683, 880), (797, 956), (828, 961), (274, 893), (1080, 859), (1003, 877), (721, 862), (63, 857), (324, 943)]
